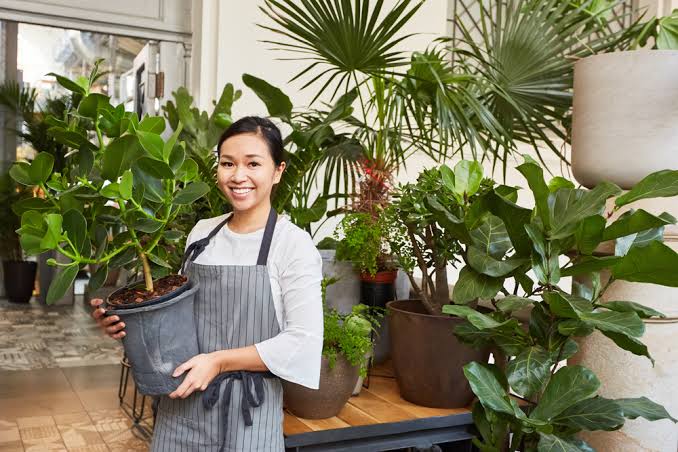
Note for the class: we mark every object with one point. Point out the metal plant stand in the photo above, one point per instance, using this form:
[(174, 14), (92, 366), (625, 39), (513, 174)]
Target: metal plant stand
[(134, 410)]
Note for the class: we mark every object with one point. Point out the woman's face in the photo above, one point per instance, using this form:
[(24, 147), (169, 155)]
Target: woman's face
[(246, 172)]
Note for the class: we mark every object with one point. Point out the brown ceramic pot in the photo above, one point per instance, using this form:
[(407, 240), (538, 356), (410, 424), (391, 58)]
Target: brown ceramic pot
[(428, 359), (336, 387)]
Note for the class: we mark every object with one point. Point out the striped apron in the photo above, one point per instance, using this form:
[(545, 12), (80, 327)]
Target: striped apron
[(239, 411)]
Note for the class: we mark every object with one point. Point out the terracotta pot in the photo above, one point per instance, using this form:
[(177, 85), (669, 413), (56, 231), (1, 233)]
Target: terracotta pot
[(428, 358), (624, 116), (336, 387), (384, 277)]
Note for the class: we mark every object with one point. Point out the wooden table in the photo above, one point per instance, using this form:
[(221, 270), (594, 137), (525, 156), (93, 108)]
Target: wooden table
[(379, 419)]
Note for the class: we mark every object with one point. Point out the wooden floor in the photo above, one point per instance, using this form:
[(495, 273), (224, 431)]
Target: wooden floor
[(379, 404)]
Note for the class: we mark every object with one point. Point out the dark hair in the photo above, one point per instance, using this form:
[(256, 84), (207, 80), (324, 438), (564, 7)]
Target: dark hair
[(259, 126)]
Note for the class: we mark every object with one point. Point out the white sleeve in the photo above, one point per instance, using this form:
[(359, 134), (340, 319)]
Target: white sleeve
[(295, 353)]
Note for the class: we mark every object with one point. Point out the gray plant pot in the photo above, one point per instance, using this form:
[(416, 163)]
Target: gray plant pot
[(159, 337)]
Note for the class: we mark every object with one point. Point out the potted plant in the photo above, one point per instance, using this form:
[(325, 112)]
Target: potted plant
[(429, 238), (129, 175), (529, 400), (18, 274), (347, 342)]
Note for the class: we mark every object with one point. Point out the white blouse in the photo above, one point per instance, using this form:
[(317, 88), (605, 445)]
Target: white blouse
[(295, 270)]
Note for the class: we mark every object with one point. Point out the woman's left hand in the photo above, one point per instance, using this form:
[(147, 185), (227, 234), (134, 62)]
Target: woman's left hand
[(201, 369)]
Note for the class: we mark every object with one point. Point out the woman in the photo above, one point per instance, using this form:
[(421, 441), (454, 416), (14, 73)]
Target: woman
[(258, 311)]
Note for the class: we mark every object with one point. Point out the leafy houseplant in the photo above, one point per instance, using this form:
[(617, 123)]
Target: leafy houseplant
[(19, 275), (128, 176), (361, 241), (347, 342), (527, 394)]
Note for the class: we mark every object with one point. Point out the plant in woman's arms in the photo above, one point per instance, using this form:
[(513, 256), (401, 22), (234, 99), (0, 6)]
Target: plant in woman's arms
[(128, 176), (361, 241), (572, 223)]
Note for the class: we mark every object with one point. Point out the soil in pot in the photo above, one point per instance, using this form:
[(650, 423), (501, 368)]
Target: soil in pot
[(136, 293), (428, 359), (19, 279), (336, 387)]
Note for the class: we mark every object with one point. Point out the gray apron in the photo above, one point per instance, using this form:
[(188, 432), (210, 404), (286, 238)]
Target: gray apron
[(239, 411)]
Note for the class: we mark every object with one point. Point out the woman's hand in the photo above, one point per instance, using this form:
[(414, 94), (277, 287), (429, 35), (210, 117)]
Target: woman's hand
[(202, 370), (110, 324)]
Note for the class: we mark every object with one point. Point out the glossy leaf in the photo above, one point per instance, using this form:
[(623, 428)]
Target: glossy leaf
[(467, 178), (148, 225), (52, 236), (515, 218), (119, 156), (90, 105), (277, 103), (155, 168), (568, 386), (564, 305), (75, 226), (41, 168), (61, 283), (152, 143), (191, 193), (589, 234), (111, 191), (638, 221), (485, 385), (590, 264), (554, 443), (475, 318), (472, 285), (513, 303), (645, 408), (659, 184), (448, 177), (569, 207), (655, 263), (68, 84), (188, 171), (20, 173), (629, 306), (487, 265), (559, 182), (153, 124), (528, 372), (492, 237), (630, 344), (627, 323), (126, 185), (596, 413), (535, 179), (98, 278)]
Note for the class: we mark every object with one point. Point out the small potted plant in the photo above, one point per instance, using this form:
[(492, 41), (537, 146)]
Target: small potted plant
[(19, 274), (127, 176), (347, 342), (529, 400)]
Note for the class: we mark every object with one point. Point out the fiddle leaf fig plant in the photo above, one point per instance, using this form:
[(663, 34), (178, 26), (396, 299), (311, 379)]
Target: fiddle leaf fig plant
[(528, 397), (128, 175)]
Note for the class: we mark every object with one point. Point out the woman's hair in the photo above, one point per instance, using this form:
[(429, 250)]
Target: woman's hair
[(258, 126)]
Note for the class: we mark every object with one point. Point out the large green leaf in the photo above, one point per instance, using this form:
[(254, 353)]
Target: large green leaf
[(485, 385), (475, 318), (564, 305), (659, 184), (592, 414), (27, 204), (535, 179), (512, 303), (492, 237), (568, 207), (627, 323), (655, 263), (191, 193), (90, 105), (277, 103), (68, 84), (41, 168), (645, 408), (589, 234), (119, 156), (630, 344), (528, 372), (126, 185), (152, 143), (515, 218), (98, 278), (487, 265), (153, 124), (590, 264), (467, 178), (75, 226), (569, 385), (452, 224), (20, 173), (155, 168), (638, 221), (472, 285), (52, 236), (61, 282), (554, 443), (629, 306)]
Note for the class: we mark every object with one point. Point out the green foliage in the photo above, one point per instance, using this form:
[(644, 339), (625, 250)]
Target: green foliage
[(349, 335), (128, 177), (361, 241), (10, 193), (559, 402), (662, 31)]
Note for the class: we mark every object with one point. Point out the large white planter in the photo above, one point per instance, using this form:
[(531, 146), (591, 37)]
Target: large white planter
[(345, 293), (625, 117)]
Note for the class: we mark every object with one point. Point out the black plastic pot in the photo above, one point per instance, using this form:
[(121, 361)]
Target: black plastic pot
[(376, 291), (159, 336), (19, 279)]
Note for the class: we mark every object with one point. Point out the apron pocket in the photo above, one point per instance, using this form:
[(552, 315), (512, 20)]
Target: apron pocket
[(195, 436)]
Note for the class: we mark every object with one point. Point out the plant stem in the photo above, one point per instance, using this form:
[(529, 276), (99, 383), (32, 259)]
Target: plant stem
[(148, 278)]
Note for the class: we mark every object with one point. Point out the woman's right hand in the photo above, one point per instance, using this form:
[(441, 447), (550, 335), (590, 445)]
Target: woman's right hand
[(110, 324)]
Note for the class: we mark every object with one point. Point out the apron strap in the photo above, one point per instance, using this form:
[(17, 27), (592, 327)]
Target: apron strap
[(268, 237), (196, 248), (250, 381)]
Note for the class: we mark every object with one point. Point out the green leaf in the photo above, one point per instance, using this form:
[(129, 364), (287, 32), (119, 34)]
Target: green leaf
[(155, 168), (492, 237), (630, 344), (188, 171), (126, 185), (553, 443), (535, 179), (20, 173), (645, 408), (90, 105), (41, 168), (68, 84), (558, 182), (75, 226), (515, 218), (27, 204), (147, 186), (589, 234), (471, 286), (70, 138), (615, 322), (122, 259), (487, 265), (111, 191), (467, 178), (157, 260), (152, 143), (191, 193), (148, 225), (638, 221), (52, 236), (119, 156), (575, 328), (475, 318), (513, 303), (629, 306), (528, 372), (655, 263), (152, 124), (590, 264), (569, 385), (305, 216), (488, 388), (447, 176), (656, 185), (592, 414), (61, 283), (667, 31), (277, 103), (172, 235), (98, 278), (447, 220), (569, 207), (177, 155), (567, 306)]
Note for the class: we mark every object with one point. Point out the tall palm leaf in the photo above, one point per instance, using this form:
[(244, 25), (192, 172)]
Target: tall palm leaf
[(524, 51)]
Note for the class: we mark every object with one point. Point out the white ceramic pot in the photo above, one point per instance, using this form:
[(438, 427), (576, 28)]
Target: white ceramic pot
[(625, 116), (345, 293)]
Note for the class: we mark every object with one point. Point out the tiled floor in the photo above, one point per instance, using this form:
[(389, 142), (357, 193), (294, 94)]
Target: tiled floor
[(59, 379)]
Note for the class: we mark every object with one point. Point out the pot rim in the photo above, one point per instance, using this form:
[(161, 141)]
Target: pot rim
[(652, 53), (383, 276), (162, 299)]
